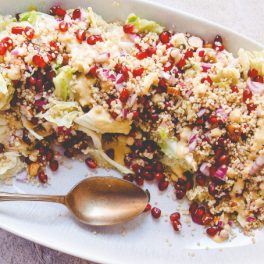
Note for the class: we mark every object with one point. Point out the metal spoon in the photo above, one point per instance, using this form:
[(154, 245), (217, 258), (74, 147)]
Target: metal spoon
[(96, 201)]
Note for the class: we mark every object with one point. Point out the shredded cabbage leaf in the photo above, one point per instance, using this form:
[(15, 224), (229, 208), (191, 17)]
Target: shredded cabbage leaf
[(6, 93), (100, 121), (10, 165), (251, 59), (62, 82), (144, 25), (61, 113)]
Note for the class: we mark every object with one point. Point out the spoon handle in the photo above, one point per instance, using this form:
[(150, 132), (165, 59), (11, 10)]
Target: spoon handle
[(31, 197)]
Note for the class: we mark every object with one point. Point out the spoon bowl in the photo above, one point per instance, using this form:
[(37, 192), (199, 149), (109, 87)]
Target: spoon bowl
[(106, 201), (98, 201)]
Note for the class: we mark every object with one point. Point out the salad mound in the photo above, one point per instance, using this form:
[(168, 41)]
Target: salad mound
[(154, 104)]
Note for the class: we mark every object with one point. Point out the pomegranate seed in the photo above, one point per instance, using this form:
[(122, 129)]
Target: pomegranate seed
[(124, 95), (163, 185), (212, 171), (165, 37), (148, 176), (92, 71), (193, 207), (50, 74), (8, 42), (188, 54), (80, 35), (63, 26), (213, 120), (151, 51), (251, 107), (218, 43), (155, 212), (39, 61), (138, 71), (206, 219), (76, 14), (17, 30), (159, 167), (175, 216), (199, 213), (29, 32), (32, 80), (139, 180), (201, 179), (92, 40), (54, 45), (247, 95), (212, 231), (207, 79), (234, 89), (135, 115), (54, 165), (3, 49), (148, 208), (180, 194), (159, 176), (120, 68), (176, 225), (200, 121), (50, 155), (91, 163), (129, 177), (141, 55), (128, 28), (252, 73), (181, 63), (57, 11), (259, 79), (42, 176), (201, 53), (223, 160)]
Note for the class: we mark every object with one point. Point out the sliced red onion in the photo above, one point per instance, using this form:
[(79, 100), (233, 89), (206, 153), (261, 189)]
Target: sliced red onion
[(222, 114), (172, 80), (103, 57), (221, 172), (255, 87), (201, 112), (22, 176), (188, 93), (132, 100), (207, 137), (37, 96), (120, 78), (193, 142), (41, 102), (250, 219), (205, 169), (257, 165)]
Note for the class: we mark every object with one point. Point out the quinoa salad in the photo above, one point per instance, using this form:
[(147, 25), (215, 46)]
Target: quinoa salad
[(153, 104)]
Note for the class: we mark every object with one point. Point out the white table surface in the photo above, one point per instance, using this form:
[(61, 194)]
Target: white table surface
[(243, 16)]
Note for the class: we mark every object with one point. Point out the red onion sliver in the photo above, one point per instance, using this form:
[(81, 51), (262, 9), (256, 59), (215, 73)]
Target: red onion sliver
[(205, 169), (255, 87), (257, 165), (221, 172), (201, 112)]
